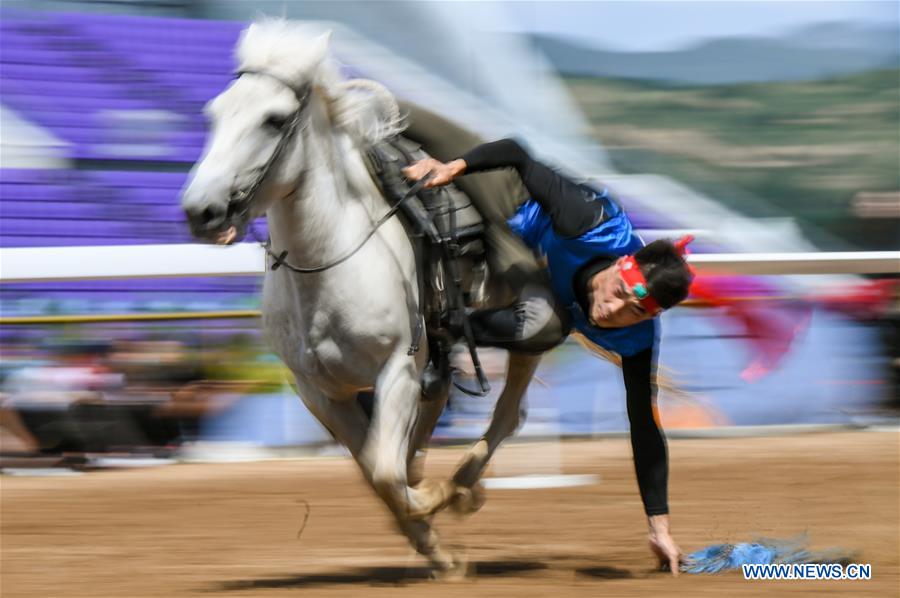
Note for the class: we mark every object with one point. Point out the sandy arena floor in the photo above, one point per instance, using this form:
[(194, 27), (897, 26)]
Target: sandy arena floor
[(231, 529)]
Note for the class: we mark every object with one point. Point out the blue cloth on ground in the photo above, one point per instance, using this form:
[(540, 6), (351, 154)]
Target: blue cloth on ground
[(723, 557), (714, 559)]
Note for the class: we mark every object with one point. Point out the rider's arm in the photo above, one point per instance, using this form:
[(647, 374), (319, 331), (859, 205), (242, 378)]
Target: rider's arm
[(650, 460), (647, 442), (572, 209), (570, 206), (505, 153)]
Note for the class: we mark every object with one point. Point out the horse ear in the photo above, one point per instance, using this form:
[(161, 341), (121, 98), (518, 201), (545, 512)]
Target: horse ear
[(320, 45)]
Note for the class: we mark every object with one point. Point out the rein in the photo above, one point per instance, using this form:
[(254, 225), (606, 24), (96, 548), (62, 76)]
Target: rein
[(280, 258)]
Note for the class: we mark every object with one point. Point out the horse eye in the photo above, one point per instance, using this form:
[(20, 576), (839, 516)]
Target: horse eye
[(275, 122)]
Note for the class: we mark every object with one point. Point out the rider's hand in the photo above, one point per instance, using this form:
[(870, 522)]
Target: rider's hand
[(442, 173), (662, 545)]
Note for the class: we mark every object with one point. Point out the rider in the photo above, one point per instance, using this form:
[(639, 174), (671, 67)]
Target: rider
[(605, 284)]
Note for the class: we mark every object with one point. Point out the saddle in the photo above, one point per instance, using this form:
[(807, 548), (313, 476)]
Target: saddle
[(447, 233)]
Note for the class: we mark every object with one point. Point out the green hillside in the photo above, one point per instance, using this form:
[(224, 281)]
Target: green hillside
[(803, 149)]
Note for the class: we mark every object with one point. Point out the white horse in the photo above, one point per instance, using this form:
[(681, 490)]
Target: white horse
[(287, 140)]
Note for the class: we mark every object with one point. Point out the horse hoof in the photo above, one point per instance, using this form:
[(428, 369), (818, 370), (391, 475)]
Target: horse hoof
[(469, 500), (456, 570), (438, 495), (469, 469)]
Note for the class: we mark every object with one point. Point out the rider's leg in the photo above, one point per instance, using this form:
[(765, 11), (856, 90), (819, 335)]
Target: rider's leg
[(533, 324), (496, 195)]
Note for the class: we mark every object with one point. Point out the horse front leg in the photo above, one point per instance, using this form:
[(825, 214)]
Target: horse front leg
[(390, 436), (349, 425)]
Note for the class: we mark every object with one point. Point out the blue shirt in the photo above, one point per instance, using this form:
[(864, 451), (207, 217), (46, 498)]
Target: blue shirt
[(613, 237)]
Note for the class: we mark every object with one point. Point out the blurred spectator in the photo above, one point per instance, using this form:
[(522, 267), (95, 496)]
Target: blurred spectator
[(43, 399)]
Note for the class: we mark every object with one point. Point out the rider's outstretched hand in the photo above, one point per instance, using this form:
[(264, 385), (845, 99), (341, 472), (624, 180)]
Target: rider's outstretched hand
[(441, 172), (667, 552)]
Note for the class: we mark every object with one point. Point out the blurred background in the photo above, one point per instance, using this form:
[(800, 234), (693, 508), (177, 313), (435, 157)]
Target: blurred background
[(756, 126)]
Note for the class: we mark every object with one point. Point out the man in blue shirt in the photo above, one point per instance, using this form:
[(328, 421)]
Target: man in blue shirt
[(604, 283)]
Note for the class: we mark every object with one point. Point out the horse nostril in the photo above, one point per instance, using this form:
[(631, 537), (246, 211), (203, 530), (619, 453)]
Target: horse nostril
[(208, 215)]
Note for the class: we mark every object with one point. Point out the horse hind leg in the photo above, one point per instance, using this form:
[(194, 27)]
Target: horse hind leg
[(463, 492), (508, 415)]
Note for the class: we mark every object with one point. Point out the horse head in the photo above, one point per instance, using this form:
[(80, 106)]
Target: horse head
[(258, 148)]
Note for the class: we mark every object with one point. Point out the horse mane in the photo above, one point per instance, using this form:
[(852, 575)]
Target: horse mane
[(291, 50)]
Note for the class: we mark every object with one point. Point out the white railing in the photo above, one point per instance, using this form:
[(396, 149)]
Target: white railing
[(846, 262), (33, 264)]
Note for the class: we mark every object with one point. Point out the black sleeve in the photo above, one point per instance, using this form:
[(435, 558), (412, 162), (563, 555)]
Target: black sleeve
[(571, 207), (647, 441)]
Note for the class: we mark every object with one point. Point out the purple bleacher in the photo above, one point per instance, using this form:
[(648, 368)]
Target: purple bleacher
[(34, 176), (41, 72), (87, 89), (34, 104), (164, 180), (79, 75), (36, 193), (140, 290), (69, 72), (24, 209), (58, 208), (186, 154), (90, 231), (167, 212)]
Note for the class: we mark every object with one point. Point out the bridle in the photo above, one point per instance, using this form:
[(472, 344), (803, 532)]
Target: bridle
[(243, 198)]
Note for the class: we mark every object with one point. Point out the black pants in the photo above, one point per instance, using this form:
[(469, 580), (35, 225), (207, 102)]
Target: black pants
[(535, 323)]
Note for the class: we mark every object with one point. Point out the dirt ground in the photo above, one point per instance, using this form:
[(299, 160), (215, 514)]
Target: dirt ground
[(231, 529)]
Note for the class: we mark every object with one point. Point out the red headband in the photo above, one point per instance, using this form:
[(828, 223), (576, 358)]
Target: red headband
[(631, 274), (682, 243)]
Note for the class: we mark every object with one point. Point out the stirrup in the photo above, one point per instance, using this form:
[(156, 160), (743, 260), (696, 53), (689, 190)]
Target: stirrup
[(482, 382)]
